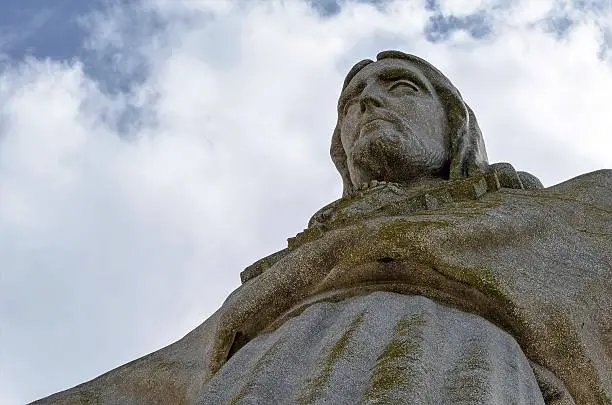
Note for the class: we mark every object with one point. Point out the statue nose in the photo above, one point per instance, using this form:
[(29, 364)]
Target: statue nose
[(369, 100)]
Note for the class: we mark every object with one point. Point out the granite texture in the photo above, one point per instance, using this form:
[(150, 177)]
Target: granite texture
[(379, 348), (437, 278), (401, 120), (535, 263)]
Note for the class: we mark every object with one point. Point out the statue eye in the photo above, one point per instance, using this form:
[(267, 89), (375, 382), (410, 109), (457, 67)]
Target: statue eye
[(405, 84)]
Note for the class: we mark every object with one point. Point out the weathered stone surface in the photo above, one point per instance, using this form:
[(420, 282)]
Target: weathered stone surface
[(535, 263), (401, 120), (436, 279), (378, 348)]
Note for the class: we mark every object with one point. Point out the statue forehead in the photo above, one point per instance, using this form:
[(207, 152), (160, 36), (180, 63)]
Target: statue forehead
[(376, 68)]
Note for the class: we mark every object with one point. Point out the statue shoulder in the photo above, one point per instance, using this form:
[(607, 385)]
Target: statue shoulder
[(593, 188)]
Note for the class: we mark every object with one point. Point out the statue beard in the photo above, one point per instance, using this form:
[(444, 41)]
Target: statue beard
[(397, 157)]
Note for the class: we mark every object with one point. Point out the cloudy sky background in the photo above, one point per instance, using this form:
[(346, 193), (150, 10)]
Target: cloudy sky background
[(150, 150)]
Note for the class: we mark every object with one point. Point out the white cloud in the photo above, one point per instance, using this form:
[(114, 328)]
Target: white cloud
[(114, 245), (462, 8), (531, 11)]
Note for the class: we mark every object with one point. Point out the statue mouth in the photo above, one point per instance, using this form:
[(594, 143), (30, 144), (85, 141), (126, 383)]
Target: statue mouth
[(372, 126), (370, 122)]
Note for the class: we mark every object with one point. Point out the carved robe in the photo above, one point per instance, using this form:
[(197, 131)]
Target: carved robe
[(468, 292)]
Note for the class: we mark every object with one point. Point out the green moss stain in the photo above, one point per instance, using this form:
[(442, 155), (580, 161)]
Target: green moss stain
[(411, 239), (317, 386), (482, 278), (396, 239), (568, 345), (238, 397), (412, 236), (469, 380), (400, 229), (394, 367), (89, 398)]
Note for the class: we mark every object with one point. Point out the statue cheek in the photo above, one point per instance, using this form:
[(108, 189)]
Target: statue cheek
[(425, 119), (348, 134)]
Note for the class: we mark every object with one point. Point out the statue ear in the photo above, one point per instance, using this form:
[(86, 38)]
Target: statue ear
[(338, 156)]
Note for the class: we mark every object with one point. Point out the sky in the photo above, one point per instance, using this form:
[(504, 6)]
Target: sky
[(151, 150)]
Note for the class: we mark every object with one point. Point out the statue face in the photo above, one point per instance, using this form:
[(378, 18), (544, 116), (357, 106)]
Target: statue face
[(393, 126)]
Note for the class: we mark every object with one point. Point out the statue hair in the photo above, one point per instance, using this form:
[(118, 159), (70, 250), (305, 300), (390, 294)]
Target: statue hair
[(466, 145)]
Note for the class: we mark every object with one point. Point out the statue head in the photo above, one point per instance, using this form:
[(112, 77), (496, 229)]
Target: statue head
[(401, 120)]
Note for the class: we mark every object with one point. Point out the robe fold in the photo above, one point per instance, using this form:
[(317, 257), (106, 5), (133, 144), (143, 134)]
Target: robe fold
[(467, 292)]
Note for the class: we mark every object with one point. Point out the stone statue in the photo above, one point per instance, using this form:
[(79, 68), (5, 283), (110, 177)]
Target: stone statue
[(437, 278)]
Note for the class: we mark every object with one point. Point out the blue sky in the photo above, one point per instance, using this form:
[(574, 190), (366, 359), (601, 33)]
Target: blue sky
[(59, 30), (150, 150), (44, 29)]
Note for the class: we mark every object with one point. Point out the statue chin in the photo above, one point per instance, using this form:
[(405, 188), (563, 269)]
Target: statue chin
[(392, 157)]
